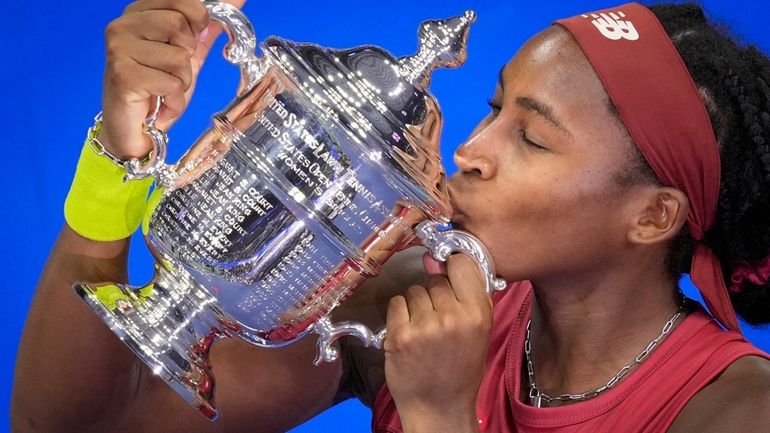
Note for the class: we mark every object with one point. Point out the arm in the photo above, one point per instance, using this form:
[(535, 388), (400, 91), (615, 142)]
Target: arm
[(738, 400), (68, 359), (72, 373), (52, 367)]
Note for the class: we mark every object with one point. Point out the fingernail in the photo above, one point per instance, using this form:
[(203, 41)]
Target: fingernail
[(202, 36), (432, 267)]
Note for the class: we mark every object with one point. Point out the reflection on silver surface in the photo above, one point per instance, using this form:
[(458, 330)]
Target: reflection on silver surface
[(313, 176)]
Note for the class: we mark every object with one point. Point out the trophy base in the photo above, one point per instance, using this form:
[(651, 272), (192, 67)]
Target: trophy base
[(170, 324)]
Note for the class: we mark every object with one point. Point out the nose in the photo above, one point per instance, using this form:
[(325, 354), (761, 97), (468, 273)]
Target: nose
[(475, 156)]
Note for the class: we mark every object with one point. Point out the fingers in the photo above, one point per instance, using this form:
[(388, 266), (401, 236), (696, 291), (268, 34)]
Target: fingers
[(398, 313), (193, 11), (161, 27), (466, 280), (456, 284), (441, 293), (463, 274), (433, 267), (451, 308), (149, 53), (153, 80), (207, 37), (165, 58), (205, 42), (439, 298), (133, 87), (417, 305), (418, 301), (237, 3)]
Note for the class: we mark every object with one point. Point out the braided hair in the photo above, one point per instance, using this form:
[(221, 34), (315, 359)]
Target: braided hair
[(733, 82)]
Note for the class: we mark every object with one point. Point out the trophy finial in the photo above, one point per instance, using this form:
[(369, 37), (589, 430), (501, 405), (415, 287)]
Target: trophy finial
[(442, 43)]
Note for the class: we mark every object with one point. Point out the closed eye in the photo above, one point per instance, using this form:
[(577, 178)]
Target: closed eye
[(494, 107), (529, 142)]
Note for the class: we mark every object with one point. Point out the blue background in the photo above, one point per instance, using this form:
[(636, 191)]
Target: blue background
[(50, 84)]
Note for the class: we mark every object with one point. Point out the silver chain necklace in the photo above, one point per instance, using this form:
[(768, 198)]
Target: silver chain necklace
[(538, 398)]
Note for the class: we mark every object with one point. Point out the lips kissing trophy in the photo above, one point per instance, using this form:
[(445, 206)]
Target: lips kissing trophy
[(323, 166)]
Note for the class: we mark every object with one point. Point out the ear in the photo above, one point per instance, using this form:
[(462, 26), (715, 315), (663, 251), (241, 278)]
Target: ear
[(663, 213)]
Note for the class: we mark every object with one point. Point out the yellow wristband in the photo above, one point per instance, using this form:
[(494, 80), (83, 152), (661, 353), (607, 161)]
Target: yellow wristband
[(100, 205)]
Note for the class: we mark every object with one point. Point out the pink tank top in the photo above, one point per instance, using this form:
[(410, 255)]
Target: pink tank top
[(647, 400)]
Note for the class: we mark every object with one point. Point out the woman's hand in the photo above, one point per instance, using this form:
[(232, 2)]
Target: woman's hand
[(436, 348), (156, 48)]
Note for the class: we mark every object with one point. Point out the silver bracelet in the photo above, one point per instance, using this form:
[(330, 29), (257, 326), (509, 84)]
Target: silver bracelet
[(136, 168), (93, 140)]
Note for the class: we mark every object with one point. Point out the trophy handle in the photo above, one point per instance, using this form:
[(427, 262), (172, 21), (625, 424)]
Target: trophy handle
[(242, 44), (329, 332), (240, 51), (155, 164), (442, 242)]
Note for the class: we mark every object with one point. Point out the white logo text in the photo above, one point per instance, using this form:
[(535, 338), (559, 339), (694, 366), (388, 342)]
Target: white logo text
[(613, 27)]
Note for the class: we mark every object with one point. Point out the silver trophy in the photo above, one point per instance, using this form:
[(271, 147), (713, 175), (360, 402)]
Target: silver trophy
[(323, 166)]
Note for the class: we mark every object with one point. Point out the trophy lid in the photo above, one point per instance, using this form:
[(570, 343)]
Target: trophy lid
[(380, 98)]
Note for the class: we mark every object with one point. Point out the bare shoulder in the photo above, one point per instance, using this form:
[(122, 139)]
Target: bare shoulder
[(738, 397)]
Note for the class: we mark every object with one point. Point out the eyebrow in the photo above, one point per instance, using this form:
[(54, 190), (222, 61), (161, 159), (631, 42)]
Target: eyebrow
[(542, 109), (532, 104)]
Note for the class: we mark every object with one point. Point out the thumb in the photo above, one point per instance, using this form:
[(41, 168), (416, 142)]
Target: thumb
[(206, 40), (432, 266), (207, 37), (467, 279)]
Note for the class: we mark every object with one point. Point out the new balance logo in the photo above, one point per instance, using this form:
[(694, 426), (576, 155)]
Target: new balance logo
[(613, 27)]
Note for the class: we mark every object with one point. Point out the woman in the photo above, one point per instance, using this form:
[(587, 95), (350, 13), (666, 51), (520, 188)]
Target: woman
[(556, 182)]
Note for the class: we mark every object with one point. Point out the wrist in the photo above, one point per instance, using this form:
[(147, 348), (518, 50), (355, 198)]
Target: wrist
[(100, 206), (99, 139), (140, 151)]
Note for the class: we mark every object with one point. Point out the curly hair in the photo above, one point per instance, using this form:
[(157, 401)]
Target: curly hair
[(733, 82)]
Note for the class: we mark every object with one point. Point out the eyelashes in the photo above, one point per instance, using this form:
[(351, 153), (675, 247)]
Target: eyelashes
[(528, 142), (494, 106)]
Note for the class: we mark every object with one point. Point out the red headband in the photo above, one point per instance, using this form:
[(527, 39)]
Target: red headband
[(662, 110)]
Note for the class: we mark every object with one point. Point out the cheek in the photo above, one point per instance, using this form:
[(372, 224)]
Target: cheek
[(551, 220)]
